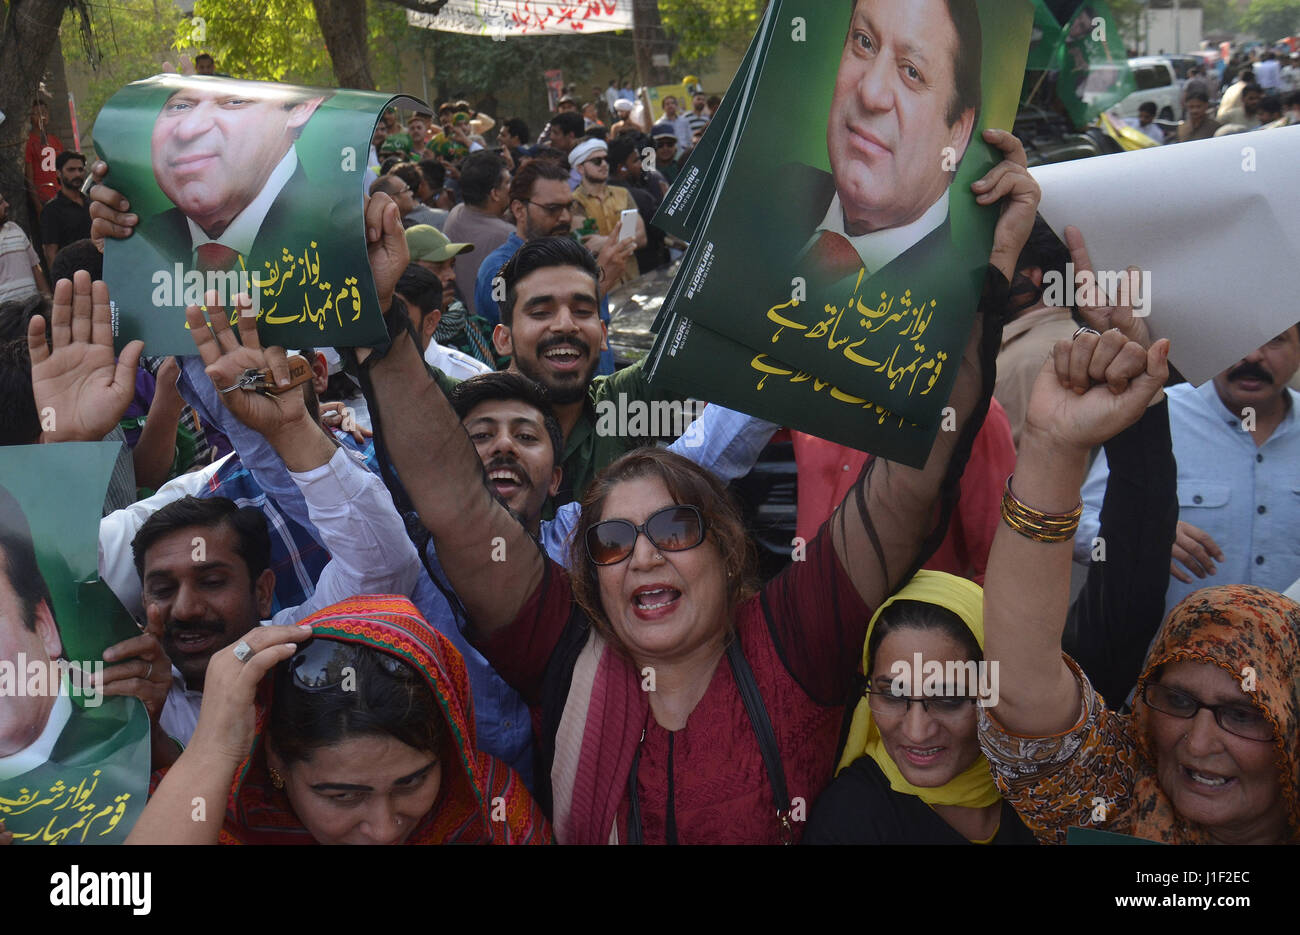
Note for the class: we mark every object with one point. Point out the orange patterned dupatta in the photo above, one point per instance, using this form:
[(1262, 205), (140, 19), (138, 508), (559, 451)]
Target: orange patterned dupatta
[(483, 788), (1106, 763), (1254, 634)]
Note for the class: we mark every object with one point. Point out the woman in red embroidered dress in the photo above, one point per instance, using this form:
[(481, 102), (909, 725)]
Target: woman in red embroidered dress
[(646, 734)]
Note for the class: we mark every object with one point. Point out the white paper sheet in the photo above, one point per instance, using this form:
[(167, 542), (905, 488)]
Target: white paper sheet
[(1217, 224)]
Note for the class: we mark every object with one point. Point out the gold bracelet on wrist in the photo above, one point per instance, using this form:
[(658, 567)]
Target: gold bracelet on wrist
[(1037, 525)]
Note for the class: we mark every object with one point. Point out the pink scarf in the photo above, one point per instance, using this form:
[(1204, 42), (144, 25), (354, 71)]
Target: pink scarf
[(602, 724)]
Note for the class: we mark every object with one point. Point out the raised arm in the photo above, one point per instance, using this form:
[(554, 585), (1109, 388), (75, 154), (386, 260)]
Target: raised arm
[(1093, 388), (348, 506), (489, 558), (1122, 603), (879, 544), (1135, 498)]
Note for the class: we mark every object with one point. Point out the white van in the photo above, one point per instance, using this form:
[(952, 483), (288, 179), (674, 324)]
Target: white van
[(1155, 80)]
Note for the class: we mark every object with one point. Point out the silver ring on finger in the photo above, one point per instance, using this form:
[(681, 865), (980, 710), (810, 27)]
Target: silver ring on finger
[(149, 672), (87, 185), (243, 651), (1085, 330)]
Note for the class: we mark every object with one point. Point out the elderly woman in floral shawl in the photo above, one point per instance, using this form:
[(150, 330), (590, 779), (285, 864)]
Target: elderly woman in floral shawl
[(1209, 753), (364, 735)]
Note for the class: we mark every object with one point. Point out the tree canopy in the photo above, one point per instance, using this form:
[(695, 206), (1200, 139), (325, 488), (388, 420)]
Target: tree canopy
[(1272, 19)]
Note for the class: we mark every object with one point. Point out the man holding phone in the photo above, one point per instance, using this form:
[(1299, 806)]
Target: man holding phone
[(606, 204)]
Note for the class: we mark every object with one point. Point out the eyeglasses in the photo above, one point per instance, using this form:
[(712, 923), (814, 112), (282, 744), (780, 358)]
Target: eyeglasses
[(552, 210), (1240, 719), (598, 161), (672, 529), (324, 664), (884, 703)]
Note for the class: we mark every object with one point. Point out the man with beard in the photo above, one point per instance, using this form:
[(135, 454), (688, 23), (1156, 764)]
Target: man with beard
[(541, 202), (552, 330), (1237, 443), (603, 202)]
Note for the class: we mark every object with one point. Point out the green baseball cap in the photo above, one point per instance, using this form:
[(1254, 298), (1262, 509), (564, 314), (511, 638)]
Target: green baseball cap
[(426, 242)]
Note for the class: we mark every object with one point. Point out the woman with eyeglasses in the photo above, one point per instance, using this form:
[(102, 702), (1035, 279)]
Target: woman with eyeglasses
[(912, 771), (355, 727), (1208, 754)]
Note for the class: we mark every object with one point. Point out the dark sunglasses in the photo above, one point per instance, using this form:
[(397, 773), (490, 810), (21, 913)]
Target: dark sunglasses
[(598, 160), (672, 529), (1243, 720), (324, 664)]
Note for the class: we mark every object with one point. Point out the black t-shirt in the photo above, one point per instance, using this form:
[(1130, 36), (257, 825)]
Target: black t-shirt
[(859, 807), (63, 221)]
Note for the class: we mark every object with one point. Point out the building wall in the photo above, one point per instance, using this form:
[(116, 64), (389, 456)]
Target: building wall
[(1165, 34)]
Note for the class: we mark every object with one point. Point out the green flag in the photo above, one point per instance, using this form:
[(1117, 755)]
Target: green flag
[(1045, 39), (1094, 72)]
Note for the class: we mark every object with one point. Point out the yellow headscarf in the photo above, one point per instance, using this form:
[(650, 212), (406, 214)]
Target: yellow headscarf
[(973, 788)]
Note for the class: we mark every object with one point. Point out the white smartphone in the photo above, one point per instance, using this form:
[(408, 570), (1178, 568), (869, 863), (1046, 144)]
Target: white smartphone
[(627, 224)]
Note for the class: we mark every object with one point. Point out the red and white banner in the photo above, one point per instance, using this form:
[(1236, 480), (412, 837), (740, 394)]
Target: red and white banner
[(502, 19)]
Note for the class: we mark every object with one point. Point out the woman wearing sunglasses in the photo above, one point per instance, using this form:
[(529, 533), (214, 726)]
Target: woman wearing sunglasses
[(355, 727), (912, 771), (674, 701), (1208, 754)]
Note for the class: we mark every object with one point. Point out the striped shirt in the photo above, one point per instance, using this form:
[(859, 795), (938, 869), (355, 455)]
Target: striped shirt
[(16, 261)]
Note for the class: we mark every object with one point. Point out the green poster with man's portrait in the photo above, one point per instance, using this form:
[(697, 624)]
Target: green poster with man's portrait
[(845, 254), (74, 764), (242, 186)]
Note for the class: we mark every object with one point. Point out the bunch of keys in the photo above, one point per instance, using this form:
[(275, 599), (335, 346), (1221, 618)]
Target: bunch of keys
[(261, 381)]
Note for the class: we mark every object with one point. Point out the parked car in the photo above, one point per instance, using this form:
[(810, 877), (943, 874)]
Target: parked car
[(1156, 81), (1182, 65)]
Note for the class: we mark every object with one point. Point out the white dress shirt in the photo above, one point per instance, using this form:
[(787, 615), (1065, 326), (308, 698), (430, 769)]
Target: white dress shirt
[(1246, 496), (879, 248), (454, 363)]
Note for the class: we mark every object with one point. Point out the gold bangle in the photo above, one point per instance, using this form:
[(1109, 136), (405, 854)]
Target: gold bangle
[(1037, 525)]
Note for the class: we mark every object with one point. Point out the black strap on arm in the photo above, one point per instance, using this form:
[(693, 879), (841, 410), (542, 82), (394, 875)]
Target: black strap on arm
[(763, 732)]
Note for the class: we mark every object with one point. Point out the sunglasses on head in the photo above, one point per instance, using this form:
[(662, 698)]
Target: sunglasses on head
[(324, 664), (672, 529)]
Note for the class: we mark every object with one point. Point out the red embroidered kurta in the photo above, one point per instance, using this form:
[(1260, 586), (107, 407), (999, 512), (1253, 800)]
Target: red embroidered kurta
[(805, 666)]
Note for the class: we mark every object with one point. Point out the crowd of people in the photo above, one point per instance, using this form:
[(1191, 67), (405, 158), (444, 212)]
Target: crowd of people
[(1259, 90), (441, 602)]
